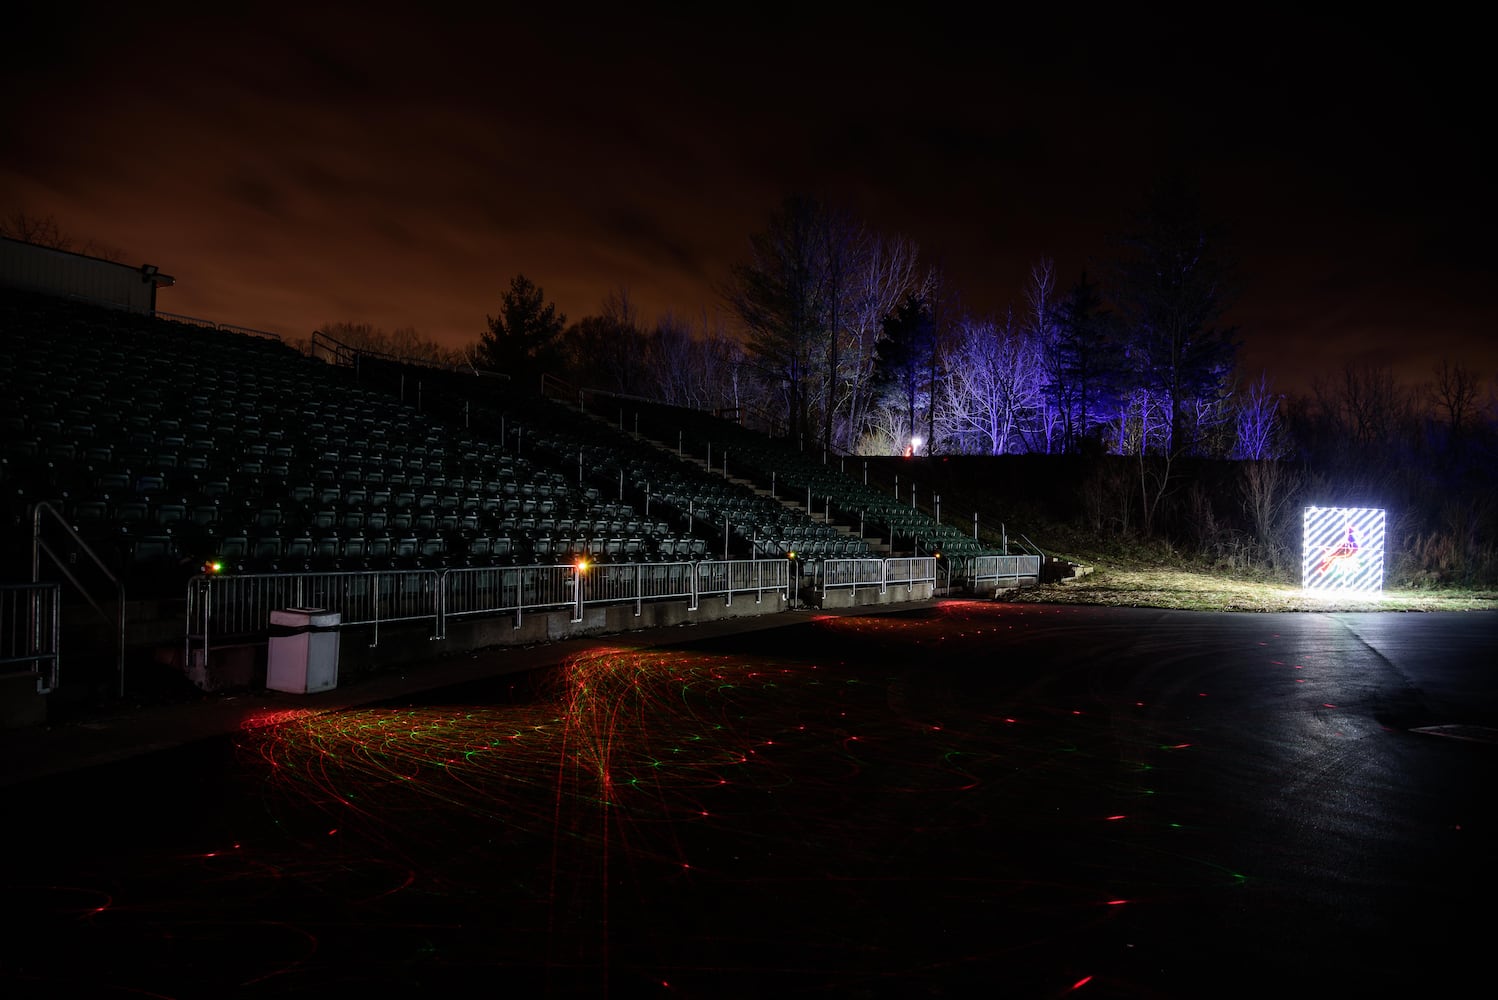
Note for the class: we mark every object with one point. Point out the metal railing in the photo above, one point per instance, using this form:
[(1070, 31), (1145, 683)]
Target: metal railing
[(619, 583), (44, 515), (228, 609), (997, 569), (221, 607), (29, 631), (505, 589), (907, 571), (209, 324), (900, 571), (850, 574), (742, 576)]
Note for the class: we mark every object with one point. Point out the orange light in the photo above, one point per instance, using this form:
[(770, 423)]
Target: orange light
[(582, 565)]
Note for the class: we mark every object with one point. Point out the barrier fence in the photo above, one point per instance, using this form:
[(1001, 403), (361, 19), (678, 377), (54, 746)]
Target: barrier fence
[(233, 607), (224, 609), (29, 631), (998, 569), (851, 574)]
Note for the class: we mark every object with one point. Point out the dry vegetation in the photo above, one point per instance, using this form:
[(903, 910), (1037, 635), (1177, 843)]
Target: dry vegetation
[(1206, 591)]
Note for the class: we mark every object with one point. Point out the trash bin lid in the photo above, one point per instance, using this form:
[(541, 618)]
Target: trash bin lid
[(308, 617)]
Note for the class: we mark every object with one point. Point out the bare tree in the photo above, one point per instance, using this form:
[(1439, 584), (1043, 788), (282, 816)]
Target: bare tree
[(1365, 404), (1455, 393), (608, 350), (1267, 488), (888, 275), (1042, 323), (44, 231), (404, 344), (885, 430), (702, 368), (993, 390), (1258, 422), (844, 245)]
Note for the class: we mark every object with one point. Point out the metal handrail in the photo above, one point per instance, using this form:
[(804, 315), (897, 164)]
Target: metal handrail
[(38, 546)]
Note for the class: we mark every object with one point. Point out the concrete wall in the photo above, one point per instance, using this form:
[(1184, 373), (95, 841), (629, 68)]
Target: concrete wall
[(863, 597)]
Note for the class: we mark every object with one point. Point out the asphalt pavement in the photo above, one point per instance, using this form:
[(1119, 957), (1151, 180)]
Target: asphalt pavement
[(960, 798)]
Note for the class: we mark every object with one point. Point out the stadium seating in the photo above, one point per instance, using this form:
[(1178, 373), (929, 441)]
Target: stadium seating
[(166, 446)]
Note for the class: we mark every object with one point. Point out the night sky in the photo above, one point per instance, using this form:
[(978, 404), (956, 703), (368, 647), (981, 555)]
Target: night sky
[(296, 167)]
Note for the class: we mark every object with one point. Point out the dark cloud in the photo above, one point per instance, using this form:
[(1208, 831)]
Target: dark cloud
[(398, 165)]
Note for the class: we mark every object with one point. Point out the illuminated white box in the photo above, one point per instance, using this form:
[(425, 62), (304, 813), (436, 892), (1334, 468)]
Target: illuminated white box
[(1343, 549)]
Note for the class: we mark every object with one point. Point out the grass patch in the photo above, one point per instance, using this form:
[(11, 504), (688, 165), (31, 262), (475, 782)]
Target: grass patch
[(1200, 590), (1144, 573)]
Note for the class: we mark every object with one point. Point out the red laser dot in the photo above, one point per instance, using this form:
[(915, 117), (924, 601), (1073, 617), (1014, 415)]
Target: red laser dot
[(1117, 902), (1119, 816), (1081, 982)]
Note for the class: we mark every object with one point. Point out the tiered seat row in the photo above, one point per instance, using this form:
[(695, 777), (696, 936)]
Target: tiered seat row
[(735, 520), (167, 447), (841, 497)]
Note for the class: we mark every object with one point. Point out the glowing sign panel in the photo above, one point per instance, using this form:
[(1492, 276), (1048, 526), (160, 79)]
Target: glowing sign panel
[(1343, 549)]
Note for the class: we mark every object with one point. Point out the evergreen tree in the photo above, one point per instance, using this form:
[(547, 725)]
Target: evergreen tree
[(522, 341), (779, 297), (1171, 291), (1088, 358), (904, 355)]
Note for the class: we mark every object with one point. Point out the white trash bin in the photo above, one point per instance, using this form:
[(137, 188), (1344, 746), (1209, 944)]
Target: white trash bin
[(303, 653)]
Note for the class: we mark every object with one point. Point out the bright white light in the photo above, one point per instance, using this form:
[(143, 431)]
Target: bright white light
[(915, 442), (1342, 549)]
